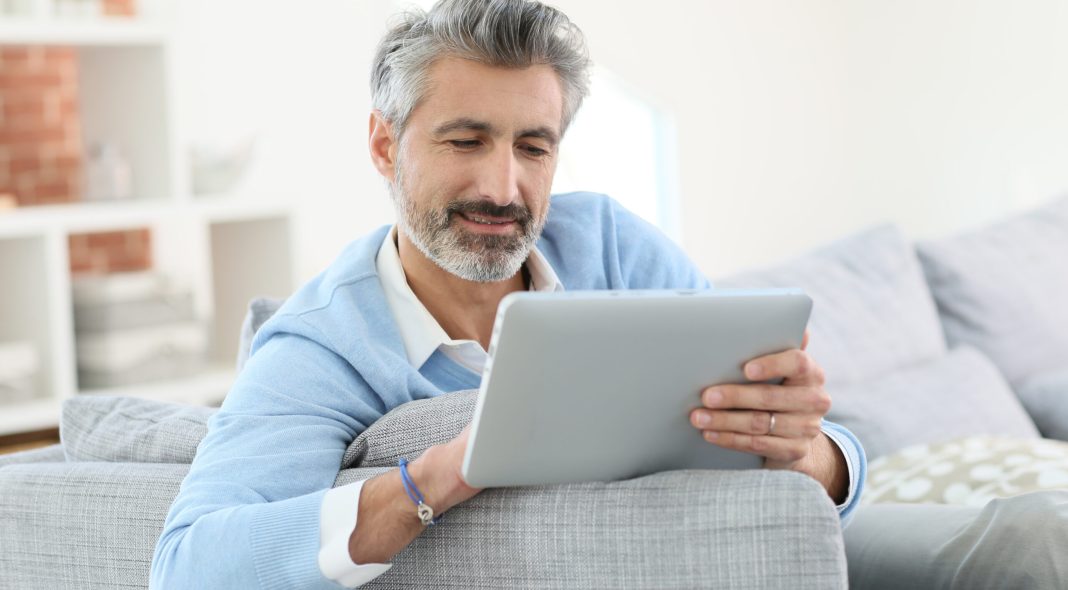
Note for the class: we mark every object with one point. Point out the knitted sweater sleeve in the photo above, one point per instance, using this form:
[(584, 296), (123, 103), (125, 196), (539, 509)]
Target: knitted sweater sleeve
[(247, 515)]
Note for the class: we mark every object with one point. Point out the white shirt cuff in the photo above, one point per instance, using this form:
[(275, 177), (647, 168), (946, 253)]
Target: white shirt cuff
[(337, 521), (849, 465)]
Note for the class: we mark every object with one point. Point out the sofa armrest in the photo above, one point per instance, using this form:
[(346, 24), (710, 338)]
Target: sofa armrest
[(678, 529), (50, 454), (96, 525)]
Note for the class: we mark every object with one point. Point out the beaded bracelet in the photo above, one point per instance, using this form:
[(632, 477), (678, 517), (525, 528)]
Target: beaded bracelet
[(425, 513)]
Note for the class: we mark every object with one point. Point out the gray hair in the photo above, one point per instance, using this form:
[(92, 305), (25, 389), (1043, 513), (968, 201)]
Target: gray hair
[(503, 33)]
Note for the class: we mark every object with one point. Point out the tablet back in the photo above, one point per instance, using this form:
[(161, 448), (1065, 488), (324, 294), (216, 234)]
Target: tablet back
[(598, 385)]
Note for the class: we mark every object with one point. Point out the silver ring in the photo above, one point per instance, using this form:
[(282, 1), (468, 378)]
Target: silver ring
[(771, 423)]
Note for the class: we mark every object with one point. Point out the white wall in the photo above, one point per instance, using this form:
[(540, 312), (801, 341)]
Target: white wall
[(797, 122), (802, 121)]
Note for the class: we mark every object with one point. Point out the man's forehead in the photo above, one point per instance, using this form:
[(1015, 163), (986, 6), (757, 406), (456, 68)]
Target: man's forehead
[(466, 94)]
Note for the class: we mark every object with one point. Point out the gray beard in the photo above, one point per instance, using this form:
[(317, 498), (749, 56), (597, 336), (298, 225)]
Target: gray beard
[(470, 256)]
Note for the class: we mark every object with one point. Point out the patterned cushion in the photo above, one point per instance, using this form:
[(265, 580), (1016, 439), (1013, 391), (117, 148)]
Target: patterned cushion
[(1002, 290), (969, 471), (957, 395), (872, 310)]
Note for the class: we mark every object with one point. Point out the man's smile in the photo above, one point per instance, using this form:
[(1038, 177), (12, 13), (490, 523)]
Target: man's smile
[(487, 223)]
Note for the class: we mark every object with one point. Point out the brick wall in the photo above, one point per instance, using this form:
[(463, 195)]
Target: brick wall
[(120, 7), (40, 133), (104, 252)]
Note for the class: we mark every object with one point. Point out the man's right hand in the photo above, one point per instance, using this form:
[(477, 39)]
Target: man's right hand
[(386, 520), (437, 474)]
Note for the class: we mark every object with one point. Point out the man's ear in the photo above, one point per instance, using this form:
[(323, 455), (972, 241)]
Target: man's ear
[(382, 144)]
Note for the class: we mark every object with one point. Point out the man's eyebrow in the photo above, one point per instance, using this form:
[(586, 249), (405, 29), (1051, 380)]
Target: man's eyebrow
[(465, 124), (469, 124), (540, 133)]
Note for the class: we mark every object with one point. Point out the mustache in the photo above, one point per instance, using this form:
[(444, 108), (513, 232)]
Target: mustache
[(514, 211)]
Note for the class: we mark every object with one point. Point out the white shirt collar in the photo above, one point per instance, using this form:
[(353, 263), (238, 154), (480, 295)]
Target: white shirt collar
[(419, 331)]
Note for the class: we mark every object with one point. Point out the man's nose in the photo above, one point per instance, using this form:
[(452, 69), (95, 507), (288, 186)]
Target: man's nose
[(500, 177)]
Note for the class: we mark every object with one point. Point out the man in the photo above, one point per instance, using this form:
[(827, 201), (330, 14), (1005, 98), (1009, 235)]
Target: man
[(470, 104)]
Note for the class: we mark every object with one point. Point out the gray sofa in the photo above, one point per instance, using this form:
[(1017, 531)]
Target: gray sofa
[(921, 343)]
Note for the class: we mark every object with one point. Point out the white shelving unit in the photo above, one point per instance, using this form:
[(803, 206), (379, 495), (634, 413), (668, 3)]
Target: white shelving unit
[(226, 248)]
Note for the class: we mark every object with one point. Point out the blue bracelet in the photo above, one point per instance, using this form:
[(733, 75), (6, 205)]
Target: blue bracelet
[(424, 512)]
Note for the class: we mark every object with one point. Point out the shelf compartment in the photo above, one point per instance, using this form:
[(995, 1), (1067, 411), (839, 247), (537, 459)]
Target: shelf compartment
[(24, 306), (250, 258)]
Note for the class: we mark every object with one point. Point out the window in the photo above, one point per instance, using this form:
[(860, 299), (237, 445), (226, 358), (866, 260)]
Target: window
[(622, 146)]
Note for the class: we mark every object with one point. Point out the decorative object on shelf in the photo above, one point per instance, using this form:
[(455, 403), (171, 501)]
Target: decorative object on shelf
[(68, 9), (133, 328), (218, 167), (18, 371), (77, 9), (107, 174), (24, 8)]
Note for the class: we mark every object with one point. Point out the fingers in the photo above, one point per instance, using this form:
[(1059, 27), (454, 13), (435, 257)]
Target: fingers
[(756, 423), (795, 365), (774, 448), (774, 398), (804, 341)]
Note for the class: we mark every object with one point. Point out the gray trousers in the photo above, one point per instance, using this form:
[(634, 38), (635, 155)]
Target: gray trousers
[(1019, 542)]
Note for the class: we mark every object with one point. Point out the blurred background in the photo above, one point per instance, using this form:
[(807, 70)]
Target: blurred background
[(162, 162)]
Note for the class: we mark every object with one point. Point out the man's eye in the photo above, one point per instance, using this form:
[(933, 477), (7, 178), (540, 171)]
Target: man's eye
[(464, 143), (535, 151)]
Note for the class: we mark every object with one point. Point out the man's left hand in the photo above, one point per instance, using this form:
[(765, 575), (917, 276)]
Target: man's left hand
[(781, 423)]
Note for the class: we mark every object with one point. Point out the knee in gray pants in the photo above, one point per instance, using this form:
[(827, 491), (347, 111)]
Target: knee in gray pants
[(1019, 542)]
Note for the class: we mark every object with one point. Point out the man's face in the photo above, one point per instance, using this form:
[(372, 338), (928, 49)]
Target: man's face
[(475, 165)]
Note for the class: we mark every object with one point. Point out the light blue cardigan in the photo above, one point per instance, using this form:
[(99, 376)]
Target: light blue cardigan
[(328, 364)]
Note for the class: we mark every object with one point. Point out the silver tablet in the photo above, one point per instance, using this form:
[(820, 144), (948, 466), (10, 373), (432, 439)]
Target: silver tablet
[(599, 385)]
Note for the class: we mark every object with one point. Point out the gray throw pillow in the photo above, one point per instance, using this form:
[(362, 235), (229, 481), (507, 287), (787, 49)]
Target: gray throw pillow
[(260, 310), (411, 428), (1046, 398), (958, 395), (872, 311), (1002, 289), (130, 429)]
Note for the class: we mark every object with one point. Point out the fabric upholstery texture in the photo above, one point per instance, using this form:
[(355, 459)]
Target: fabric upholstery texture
[(679, 529), (1002, 289), (1046, 398), (409, 429), (49, 454), (970, 471), (872, 312), (128, 429), (957, 395)]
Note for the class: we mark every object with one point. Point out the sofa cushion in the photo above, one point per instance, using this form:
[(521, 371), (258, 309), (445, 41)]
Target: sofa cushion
[(260, 310), (130, 429), (957, 395), (1002, 290), (679, 529), (411, 428), (872, 310), (970, 471), (1046, 398)]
